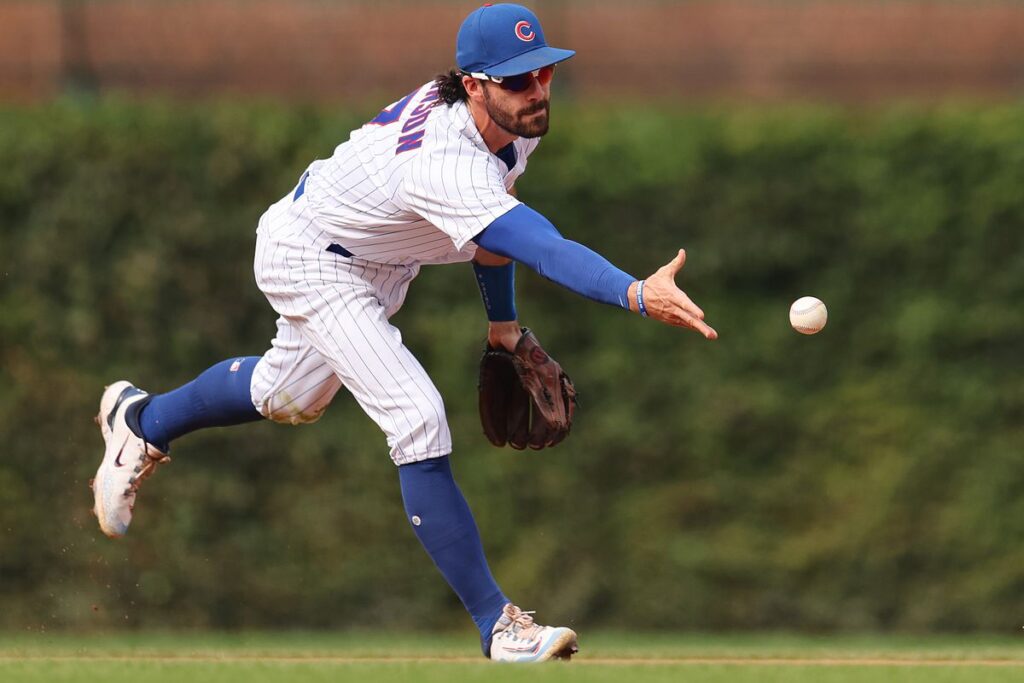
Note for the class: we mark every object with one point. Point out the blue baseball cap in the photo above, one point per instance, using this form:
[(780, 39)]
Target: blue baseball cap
[(504, 40)]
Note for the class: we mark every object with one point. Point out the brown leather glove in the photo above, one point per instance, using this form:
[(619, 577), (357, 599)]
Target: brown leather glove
[(525, 397)]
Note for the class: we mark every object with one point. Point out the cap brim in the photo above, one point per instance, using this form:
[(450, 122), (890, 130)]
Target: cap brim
[(530, 61)]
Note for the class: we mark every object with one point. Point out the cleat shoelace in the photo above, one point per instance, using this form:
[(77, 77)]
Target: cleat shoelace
[(147, 468), (521, 625)]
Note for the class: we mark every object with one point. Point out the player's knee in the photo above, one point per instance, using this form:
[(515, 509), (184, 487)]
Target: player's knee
[(426, 436), (281, 407)]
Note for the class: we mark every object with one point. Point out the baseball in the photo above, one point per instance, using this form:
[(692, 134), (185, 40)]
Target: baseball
[(808, 315)]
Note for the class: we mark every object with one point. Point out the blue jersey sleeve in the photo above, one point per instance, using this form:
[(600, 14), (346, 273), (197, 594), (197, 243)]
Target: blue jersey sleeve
[(526, 236)]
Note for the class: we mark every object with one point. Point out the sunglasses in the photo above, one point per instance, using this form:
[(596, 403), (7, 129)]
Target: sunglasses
[(519, 82)]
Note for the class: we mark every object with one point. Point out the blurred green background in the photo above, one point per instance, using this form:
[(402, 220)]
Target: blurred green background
[(866, 478)]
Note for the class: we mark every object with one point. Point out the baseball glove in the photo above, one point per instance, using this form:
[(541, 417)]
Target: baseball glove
[(525, 397)]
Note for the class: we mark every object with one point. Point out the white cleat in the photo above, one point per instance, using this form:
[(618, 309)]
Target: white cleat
[(516, 638), (127, 460)]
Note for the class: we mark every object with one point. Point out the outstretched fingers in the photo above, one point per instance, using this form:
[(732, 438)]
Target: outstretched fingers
[(702, 327), (692, 317), (670, 304), (687, 305)]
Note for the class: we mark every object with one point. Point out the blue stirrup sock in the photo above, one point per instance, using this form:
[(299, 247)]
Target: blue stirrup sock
[(442, 521), (219, 397)]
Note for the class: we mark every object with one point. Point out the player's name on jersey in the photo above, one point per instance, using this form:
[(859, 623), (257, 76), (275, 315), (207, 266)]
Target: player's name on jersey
[(412, 131)]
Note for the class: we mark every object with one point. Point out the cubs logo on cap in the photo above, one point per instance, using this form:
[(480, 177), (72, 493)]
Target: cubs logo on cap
[(504, 40), (524, 32)]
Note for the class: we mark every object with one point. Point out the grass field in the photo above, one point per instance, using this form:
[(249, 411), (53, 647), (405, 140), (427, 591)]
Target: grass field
[(274, 658)]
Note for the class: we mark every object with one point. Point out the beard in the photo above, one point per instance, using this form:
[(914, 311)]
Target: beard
[(517, 122)]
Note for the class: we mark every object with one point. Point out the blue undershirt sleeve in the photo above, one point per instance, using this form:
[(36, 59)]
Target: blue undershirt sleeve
[(526, 236), (498, 290)]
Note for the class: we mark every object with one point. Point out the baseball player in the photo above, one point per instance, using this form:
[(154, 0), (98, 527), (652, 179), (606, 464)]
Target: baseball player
[(428, 181)]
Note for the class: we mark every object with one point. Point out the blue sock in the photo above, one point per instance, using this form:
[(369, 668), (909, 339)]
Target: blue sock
[(444, 524), (217, 398)]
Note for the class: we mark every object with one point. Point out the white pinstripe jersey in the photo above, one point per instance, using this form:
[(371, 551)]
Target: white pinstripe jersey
[(413, 186)]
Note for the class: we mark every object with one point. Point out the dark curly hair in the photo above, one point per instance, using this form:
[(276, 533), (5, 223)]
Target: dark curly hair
[(450, 88)]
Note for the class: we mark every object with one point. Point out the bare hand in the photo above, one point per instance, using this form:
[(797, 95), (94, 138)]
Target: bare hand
[(504, 335), (664, 301)]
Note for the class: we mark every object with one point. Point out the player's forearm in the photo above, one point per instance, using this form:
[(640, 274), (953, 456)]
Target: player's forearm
[(500, 333), (585, 272), (526, 236), (497, 285), (495, 275)]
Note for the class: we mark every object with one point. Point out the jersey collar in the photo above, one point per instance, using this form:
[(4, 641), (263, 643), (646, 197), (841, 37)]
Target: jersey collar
[(463, 120)]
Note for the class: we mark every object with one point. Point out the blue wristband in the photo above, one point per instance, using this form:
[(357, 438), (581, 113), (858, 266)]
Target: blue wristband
[(498, 290), (640, 298)]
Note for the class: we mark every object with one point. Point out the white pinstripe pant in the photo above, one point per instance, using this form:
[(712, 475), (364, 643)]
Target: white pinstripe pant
[(333, 330)]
